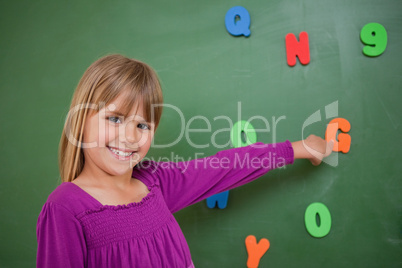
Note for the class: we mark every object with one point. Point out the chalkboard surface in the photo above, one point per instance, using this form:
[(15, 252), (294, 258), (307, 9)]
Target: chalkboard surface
[(207, 75)]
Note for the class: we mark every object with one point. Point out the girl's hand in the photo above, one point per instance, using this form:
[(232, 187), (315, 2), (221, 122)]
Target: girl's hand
[(313, 148)]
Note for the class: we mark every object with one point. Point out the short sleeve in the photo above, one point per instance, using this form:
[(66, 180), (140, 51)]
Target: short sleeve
[(185, 183), (61, 241)]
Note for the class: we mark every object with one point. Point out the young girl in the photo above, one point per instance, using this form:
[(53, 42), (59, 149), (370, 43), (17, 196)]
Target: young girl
[(113, 210)]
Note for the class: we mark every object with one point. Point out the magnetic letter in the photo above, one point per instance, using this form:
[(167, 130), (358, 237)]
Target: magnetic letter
[(243, 128), (310, 219), (220, 199), (344, 140), (374, 36), (237, 21), (255, 251), (300, 49)]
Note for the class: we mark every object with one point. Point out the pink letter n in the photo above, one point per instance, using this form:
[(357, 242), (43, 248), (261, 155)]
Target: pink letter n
[(299, 49)]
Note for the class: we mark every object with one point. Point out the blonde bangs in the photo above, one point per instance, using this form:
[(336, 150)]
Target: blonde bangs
[(138, 83)]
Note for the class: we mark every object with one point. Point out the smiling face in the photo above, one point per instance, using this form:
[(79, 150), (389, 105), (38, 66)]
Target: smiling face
[(113, 143)]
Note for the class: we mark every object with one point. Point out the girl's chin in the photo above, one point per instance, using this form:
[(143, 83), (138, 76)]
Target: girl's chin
[(121, 172), (124, 164)]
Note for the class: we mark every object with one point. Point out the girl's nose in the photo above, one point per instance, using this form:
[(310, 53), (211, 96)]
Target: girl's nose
[(130, 133)]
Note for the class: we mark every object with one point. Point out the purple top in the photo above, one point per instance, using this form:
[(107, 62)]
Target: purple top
[(76, 230)]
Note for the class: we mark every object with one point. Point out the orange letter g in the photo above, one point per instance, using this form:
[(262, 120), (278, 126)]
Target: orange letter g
[(344, 140)]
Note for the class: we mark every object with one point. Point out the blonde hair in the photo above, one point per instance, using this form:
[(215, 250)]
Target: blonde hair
[(101, 83)]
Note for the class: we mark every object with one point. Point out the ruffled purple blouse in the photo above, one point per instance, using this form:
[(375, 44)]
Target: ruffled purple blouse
[(76, 230)]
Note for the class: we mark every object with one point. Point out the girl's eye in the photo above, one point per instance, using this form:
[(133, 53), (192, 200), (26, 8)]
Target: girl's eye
[(143, 126), (114, 119)]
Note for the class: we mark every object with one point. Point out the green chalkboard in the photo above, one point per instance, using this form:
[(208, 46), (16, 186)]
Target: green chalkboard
[(207, 75)]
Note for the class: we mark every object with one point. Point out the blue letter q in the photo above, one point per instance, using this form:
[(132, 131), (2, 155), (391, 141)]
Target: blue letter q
[(240, 26)]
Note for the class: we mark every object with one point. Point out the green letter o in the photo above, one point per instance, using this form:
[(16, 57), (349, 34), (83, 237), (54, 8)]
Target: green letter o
[(311, 223), (238, 129)]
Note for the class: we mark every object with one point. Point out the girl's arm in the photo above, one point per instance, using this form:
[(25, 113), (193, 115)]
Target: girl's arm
[(61, 241), (185, 183)]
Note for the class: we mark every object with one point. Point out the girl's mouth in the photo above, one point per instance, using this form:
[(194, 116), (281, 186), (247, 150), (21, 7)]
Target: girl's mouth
[(122, 155)]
